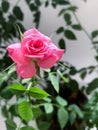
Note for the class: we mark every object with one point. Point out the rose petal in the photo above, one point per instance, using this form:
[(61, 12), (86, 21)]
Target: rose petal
[(48, 62), (16, 54), (26, 71), (31, 32)]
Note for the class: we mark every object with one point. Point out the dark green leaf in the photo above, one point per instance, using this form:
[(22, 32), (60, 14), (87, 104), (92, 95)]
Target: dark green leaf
[(73, 85), (33, 7), (54, 82), (62, 44), (92, 86), (70, 35), (10, 124), (77, 27), (13, 110), (25, 111), (60, 30), (37, 93), (5, 112), (94, 34), (38, 2), (61, 101), (18, 13), (62, 12), (83, 74), (5, 5), (6, 94), (44, 125), (48, 108), (72, 117), (27, 128), (96, 57), (46, 3), (67, 18), (72, 8), (62, 117)]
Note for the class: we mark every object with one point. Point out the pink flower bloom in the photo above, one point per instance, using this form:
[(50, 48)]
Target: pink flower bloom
[(34, 47)]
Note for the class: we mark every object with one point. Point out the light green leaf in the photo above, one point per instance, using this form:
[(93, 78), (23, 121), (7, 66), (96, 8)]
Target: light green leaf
[(25, 111), (54, 82), (75, 108), (61, 101), (48, 108), (38, 93), (62, 117), (72, 117), (17, 88)]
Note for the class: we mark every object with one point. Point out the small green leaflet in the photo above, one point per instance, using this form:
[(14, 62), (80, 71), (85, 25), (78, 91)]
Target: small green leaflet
[(54, 82)]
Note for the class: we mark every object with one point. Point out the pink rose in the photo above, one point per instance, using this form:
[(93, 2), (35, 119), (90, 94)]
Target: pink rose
[(34, 48)]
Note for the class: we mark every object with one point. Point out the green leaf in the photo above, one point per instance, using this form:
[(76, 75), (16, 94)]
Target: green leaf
[(62, 77), (61, 101), (5, 6), (54, 82), (77, 27), (70, 35), (17, 88), (37, 112), (60, 30), (73, 85), (62, 12), (92, 86), (27, 128), (10, 124), (25, 111), (5, 112), (43, 125), (18, 13), (94, 34), (48, 108), (83, 74), (62, 117), (67, 18), (62, 44), (72, 117), (38, 93), (75, 108)]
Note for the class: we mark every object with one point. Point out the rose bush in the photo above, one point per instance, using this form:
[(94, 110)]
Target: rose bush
[(35, 50)]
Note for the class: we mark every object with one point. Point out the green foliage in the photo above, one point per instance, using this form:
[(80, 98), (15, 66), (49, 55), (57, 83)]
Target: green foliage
[(54, 82), (25, 111), (70, 35), (37, 93), (62, 117), (10, 124)]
